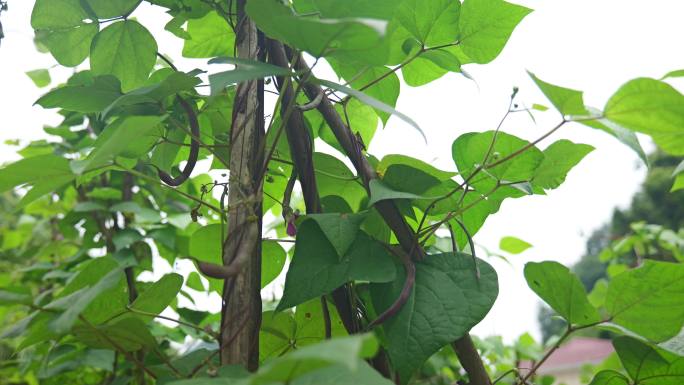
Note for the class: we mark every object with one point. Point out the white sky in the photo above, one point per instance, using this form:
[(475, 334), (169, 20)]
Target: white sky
[(591, 45)]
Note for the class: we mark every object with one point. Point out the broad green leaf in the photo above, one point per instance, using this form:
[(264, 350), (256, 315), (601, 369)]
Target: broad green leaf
[(447, 300), (126, 50), (158, 296), (486, 25), (371, 101), (34, 171), (380, 192), (634, 294), (385, 90), (639, 359), (129, 137), (362, 120), (340, 229), (609, 377), (678, 183), (597, 296), (106, 9), (422, 71), (316, 268), (357, 38), (40, 77), (210, 36), (91, 97), (272, 261), (206, 244), (469, 151), (60, 26), (513, 245), (344, 351), (378, 9), (559, 158), (128, 334), (473, 218), (12, 297), (652, 107), (431, 22), (562, 290), (76, 303), (244, 70)]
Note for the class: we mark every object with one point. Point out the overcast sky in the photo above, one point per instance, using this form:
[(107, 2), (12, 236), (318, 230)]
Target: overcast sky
[(591, 45)]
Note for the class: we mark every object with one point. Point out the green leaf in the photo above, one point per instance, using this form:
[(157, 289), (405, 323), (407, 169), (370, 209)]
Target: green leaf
[(210, 36), (40, 77), (35, 171), (129, 137), (678, 183), (76, 303), (634, 294), (447, 300), (342, 375), (648, 365), (277, 334), (340, 229), (60, 26), (126, 50), (272, 261), (486, 25), (158, 296), (341, 351), (333, 177), (128, 334), (513, 245), (194, 282), (362, 118), (106, 9), (380, 192), (8, 297), (652, 107), (431, 22), (316, 268), (559, 158), (356, 38), (206, 244), (244, 70), (609, 377), (469, 151), (375, 103), (93, 96), (311, 323), (422, 71), (562, 290), (378, 9)]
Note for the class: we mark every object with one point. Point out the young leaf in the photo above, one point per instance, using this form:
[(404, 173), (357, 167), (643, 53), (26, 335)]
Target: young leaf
[(372, 102), (486, 25), (210, 36), (513, 245), (125, 49), (447, 300), (129, 334), (562, 290), (634, 294), (316, 268)]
